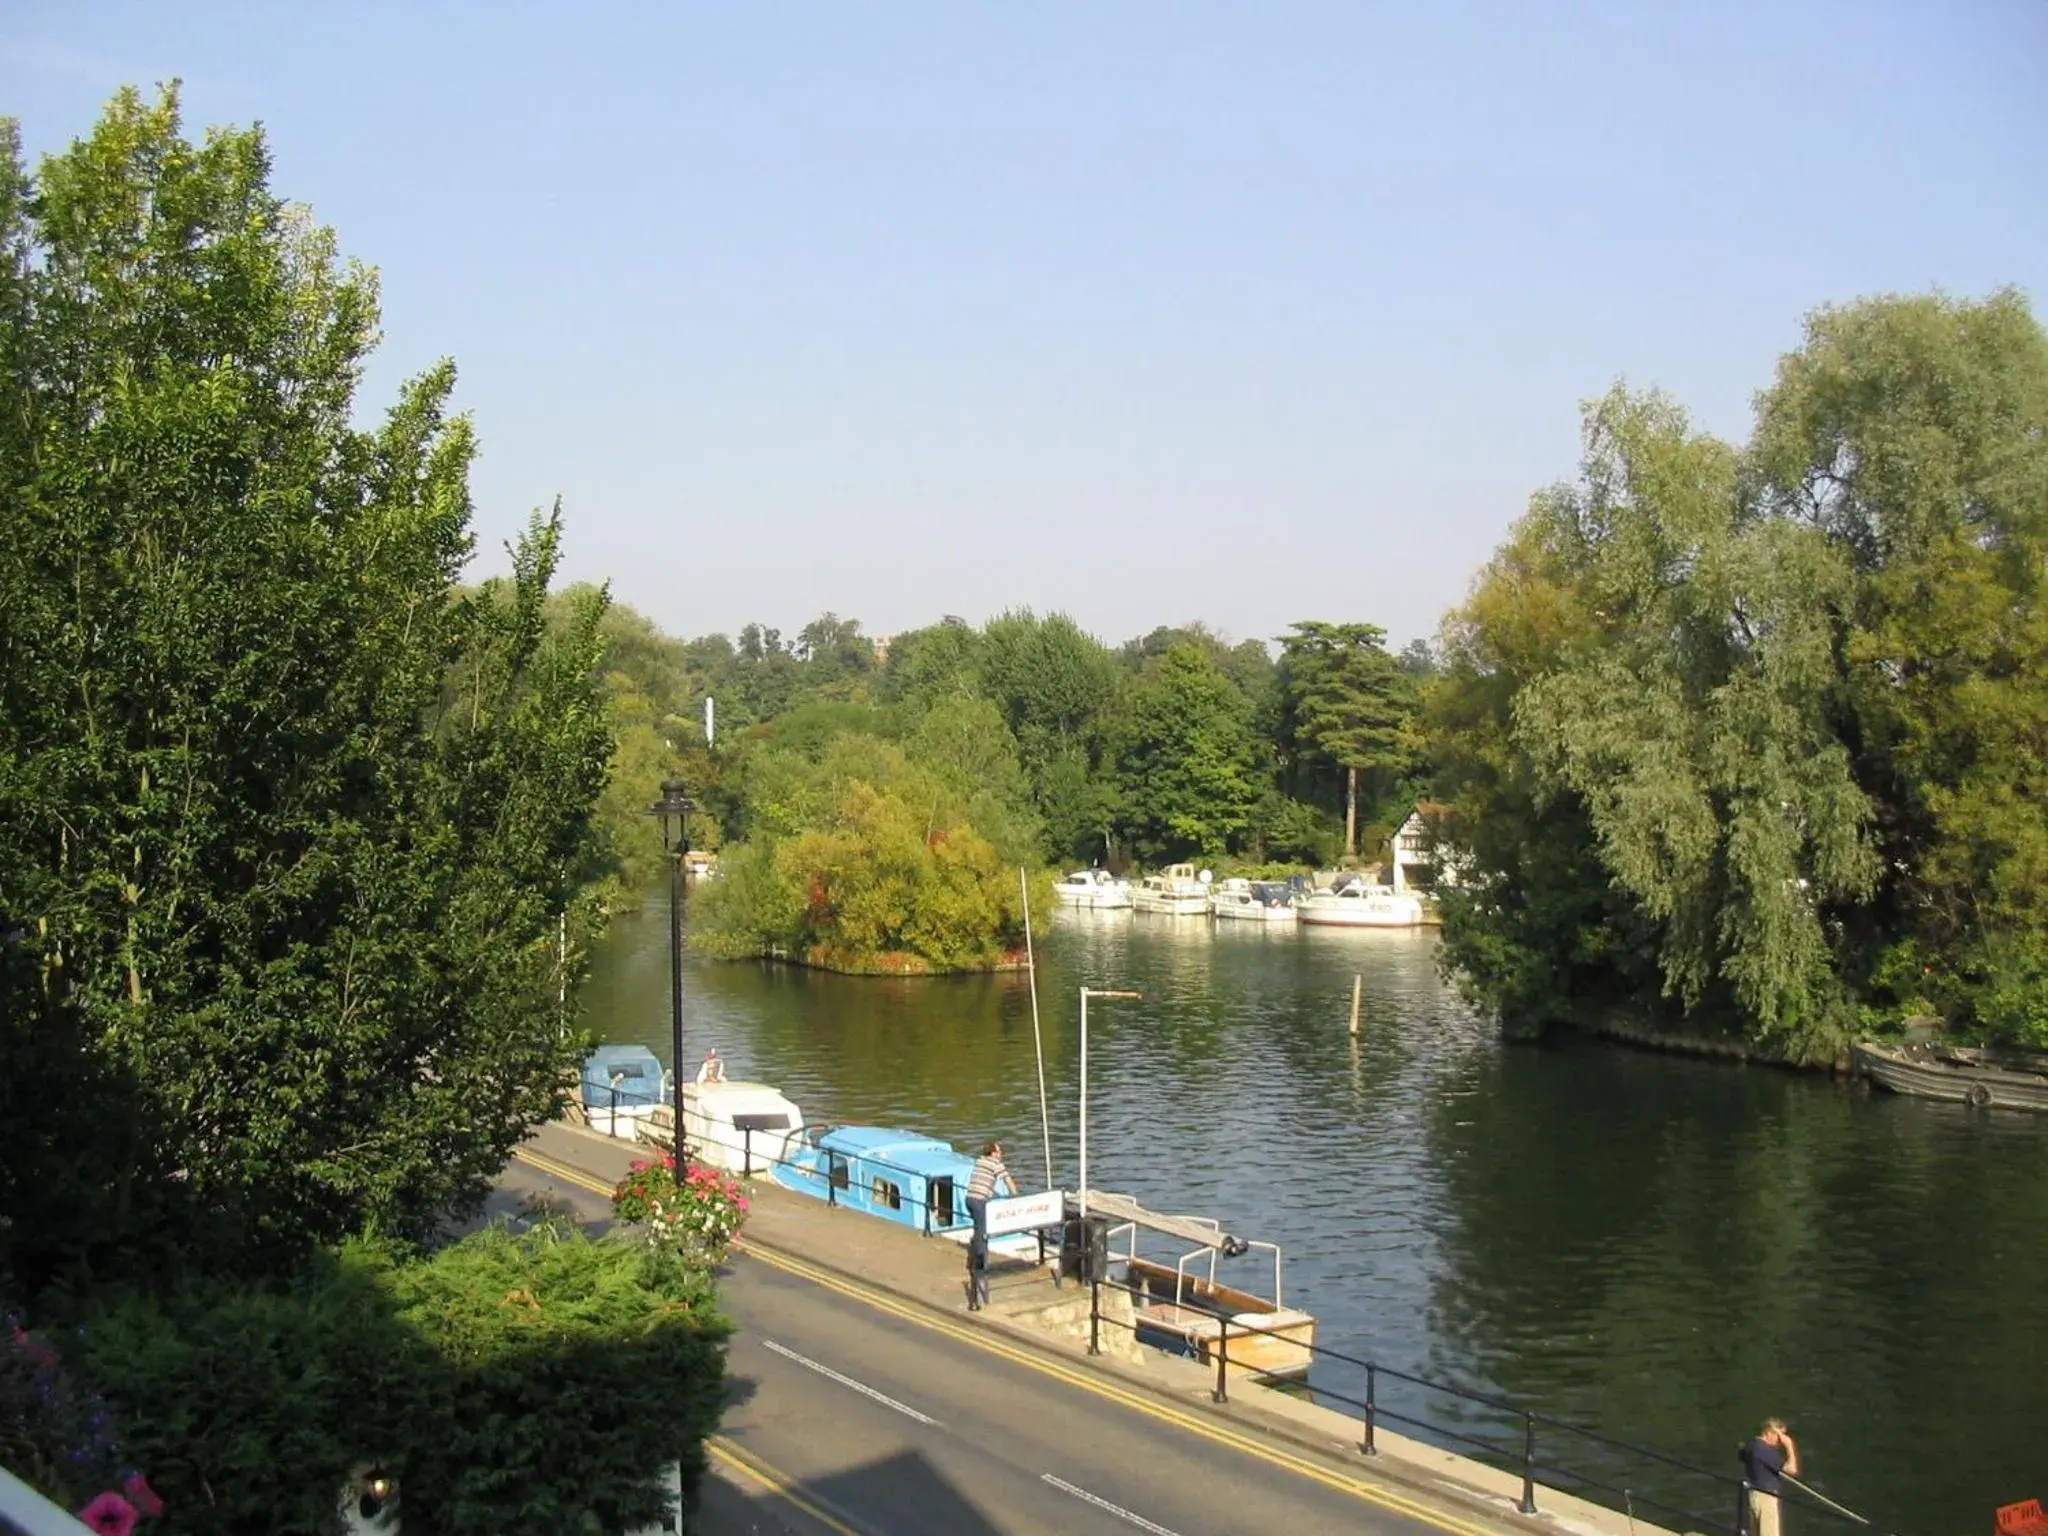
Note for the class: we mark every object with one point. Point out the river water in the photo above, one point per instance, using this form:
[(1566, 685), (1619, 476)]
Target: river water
[(1663, 1249)]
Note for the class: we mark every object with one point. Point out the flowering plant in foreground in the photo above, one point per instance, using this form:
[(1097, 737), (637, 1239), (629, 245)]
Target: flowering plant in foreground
[(701, 1211), (59, 1436)]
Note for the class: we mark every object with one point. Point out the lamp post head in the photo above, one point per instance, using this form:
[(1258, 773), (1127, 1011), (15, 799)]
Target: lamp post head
[(673, 801)]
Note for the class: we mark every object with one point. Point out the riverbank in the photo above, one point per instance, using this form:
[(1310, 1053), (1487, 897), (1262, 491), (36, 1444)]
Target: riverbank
[(1623, 1031), (888, 963), (843, 1248)]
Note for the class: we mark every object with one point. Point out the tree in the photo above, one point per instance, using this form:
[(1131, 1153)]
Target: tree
[(287, 822), (1351, 703), (1697, 732), (1913, 434), (1186, 758)]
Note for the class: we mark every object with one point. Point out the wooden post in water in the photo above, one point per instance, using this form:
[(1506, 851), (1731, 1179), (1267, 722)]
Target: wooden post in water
[(1357, 989)]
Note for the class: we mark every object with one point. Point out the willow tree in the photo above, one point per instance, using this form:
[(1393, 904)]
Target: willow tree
[(286, 818), (1696, 727)]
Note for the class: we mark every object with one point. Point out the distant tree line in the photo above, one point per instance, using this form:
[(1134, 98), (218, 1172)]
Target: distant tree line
[(1173, 745)]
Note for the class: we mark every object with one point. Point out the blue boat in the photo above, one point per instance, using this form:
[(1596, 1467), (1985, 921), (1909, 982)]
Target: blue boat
[(621, 1087), (900, 1176)]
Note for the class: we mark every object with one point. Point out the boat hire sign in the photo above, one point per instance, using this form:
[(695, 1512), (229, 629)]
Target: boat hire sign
[(1026, 1213)]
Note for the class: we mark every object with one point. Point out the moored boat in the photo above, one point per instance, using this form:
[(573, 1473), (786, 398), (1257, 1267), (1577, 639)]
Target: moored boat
[(1358, 905), (620, 1089), (1093, 889), (1958, 1074), (901, 1176), (1256, 901), (1176, 891)]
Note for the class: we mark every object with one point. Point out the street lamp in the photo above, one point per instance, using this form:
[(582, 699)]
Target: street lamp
[(1086, 993), (674, 802)]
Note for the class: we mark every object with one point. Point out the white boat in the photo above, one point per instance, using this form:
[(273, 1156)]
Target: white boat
[(1176, 891), (1093, 888), (1359, 905), (1256, 901), (740, 1127)]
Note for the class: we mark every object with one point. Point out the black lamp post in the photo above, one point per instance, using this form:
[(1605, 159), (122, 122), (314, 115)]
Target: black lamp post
[(674, 802)]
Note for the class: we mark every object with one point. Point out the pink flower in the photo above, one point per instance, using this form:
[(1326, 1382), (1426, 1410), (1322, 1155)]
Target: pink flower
[(109, 1515), (146, 1499)]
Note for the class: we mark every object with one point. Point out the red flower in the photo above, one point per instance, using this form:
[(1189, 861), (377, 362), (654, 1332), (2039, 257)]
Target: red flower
[(142, 1496), (109, 1515)]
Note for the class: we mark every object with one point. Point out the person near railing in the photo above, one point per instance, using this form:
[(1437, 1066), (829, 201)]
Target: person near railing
[(713, 1070), (989, 1171), (1770, 1454)]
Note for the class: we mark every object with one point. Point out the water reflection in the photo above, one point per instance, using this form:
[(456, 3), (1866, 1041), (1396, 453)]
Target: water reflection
[(1663, 1248)]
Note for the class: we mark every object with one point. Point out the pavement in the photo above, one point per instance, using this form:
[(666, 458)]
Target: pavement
[(866, 1401)]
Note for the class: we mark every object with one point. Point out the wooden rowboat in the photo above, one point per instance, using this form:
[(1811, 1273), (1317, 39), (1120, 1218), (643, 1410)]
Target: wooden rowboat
[(1961, 1075)]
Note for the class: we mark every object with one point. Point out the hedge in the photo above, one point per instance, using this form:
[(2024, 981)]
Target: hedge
[(535, 1380)]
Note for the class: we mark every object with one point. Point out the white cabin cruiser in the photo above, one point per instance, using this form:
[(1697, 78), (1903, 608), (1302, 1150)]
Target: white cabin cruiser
[(1256, 901), (1176, 891), (1358, 905), (1096, 889)]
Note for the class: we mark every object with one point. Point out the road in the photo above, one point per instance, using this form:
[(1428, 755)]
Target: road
[(854, 1413)]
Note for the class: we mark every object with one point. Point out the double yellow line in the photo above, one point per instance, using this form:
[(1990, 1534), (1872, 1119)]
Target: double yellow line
[(726, 1454), (1209, 1429)]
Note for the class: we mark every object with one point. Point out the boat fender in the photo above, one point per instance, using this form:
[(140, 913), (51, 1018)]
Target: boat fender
[(1979, 1096)]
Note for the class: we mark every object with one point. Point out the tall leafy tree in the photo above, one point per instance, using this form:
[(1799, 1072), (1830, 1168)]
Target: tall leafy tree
[(1913, 434), (287, 819), (1186, 757), (1351, 703), (1697, 730)]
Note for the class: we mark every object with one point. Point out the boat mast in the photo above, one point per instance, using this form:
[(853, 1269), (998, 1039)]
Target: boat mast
[(1037, 1039)]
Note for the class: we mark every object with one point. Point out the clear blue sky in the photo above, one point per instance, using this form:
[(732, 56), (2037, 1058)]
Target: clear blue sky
[(1147, 312)]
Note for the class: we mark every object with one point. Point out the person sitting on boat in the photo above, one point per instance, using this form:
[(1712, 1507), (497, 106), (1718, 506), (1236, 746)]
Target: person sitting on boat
[(989, 1171), (713, 1070)]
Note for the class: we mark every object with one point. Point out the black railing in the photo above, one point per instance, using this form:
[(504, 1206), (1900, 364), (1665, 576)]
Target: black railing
[(1530, 1450)]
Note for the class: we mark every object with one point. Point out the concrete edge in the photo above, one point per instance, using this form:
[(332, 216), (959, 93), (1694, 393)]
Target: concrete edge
[(1339, 1457)]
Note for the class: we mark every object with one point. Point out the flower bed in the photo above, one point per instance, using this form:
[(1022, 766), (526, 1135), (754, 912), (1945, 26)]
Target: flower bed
[(701, 1212)]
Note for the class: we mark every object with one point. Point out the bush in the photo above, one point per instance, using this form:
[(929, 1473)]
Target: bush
[(537, 1380)]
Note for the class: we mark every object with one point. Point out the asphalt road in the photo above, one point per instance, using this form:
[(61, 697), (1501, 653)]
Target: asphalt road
[(853, 1415)]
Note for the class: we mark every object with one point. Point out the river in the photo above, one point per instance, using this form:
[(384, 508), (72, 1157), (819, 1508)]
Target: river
[(1664, 1249)]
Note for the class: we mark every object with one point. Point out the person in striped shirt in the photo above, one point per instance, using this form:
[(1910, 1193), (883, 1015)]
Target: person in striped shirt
[(989, 1171)]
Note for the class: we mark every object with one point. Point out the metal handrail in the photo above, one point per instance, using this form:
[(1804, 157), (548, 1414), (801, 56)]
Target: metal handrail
[(1524, 1458)]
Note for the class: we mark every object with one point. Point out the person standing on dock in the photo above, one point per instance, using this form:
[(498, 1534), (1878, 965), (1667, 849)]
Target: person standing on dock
[(1769, 1457), (989, 1171)]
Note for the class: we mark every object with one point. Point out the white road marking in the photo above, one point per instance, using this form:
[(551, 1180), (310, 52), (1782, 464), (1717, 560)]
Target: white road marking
[(1115, 1509), (847, 1381)]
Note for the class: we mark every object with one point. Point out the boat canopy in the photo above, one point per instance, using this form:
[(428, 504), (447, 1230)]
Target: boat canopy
[(633, 1070), (905, 1150)]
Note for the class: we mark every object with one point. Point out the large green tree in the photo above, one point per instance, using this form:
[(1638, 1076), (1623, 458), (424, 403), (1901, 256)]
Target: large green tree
[(1788, 703), (1186, 757), (1349, 702), (1913, 434), (287, 820)]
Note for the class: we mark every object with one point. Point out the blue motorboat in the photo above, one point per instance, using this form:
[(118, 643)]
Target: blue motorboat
[(900, 1176)]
